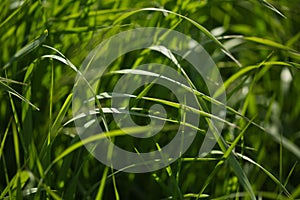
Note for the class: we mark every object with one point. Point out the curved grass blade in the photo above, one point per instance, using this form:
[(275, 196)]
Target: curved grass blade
[(132, 112), (269, 43), (259, 166), (270, 6), (171, 104), (191, 89), (66, 61), (200, 27)]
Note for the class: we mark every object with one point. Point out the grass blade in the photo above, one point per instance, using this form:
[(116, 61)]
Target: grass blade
[(270, 6), (28, 48)]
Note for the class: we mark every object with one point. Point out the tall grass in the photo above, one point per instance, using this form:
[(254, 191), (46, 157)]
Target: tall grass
[(255, 44)]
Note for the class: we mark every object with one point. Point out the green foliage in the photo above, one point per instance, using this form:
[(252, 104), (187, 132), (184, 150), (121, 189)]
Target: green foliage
[(255, 44)]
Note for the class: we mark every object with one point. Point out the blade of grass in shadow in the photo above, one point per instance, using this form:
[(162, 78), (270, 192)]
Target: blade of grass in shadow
[(70, 191), (23, 176), (269, 174), (50, 103), (235, 142), (10, 90), (209, 178), (27, 122), (7, 180), (13, 15), (266, 172), (16, 130), (92, 13), (117, 196), (228, 155), (173, 183), (4, 138), (261, 194), (293, 148), (27, 48), (290, 174)]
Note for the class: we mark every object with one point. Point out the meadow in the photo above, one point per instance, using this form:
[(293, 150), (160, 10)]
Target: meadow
[(255, 45)]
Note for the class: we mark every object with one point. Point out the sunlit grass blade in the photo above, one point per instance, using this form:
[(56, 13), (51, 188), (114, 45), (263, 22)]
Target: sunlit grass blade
[(174, 105), (62, 112), (63, 60), (269, 43), (270, 6), (235, 142), (102, 184)]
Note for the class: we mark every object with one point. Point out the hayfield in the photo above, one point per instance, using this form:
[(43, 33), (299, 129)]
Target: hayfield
[(255, 46)]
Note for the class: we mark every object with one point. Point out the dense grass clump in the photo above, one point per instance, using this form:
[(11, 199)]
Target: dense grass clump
[(255, 45)]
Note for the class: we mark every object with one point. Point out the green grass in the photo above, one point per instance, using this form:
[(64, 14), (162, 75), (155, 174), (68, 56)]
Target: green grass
[(254, 43)]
